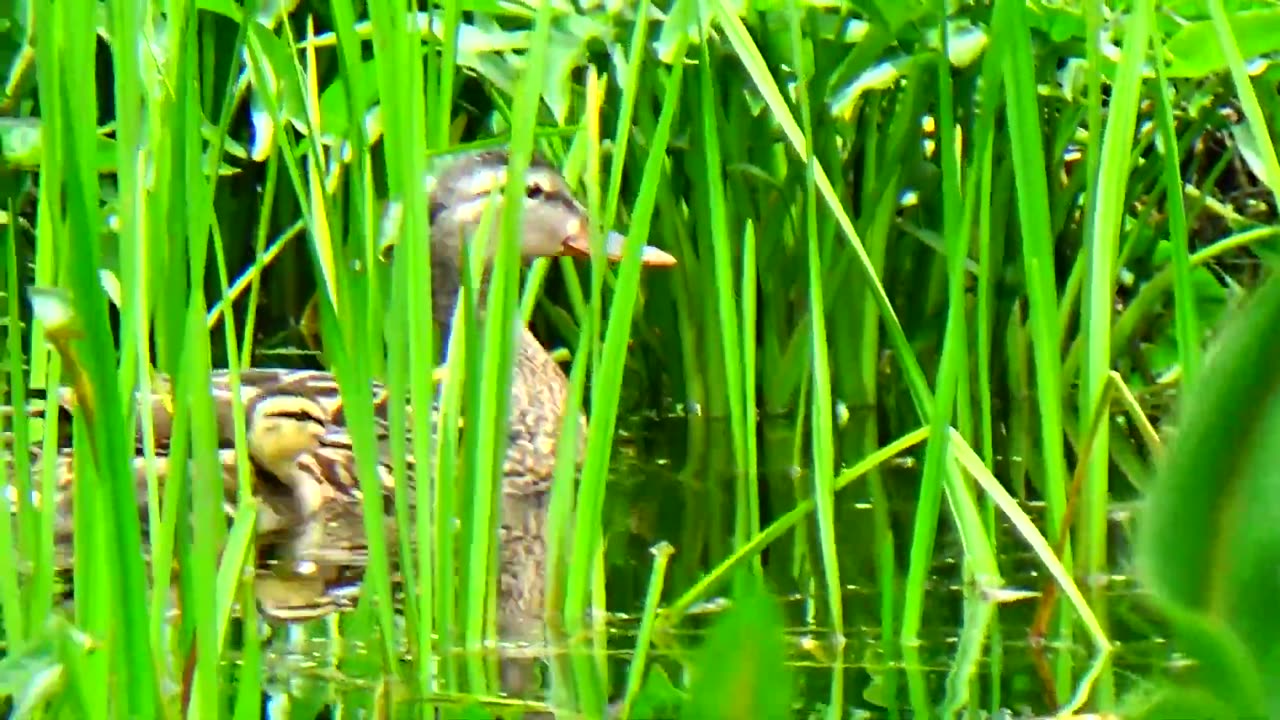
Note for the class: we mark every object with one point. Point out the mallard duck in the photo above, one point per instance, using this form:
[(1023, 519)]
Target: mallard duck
[(296, 424)]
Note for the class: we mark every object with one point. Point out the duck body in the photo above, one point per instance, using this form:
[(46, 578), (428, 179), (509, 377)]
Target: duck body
[(303, 467)]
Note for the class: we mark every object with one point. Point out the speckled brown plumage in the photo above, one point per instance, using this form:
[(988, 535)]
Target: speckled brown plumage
[(540, 391), (283, 593)]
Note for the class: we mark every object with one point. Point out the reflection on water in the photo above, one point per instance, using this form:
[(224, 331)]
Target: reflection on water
[(672, 481)]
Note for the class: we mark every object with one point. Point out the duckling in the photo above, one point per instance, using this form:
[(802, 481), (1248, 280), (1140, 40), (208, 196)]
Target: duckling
[(290, 585)]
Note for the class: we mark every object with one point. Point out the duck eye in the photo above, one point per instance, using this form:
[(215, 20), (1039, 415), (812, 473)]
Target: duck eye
[(534, 191)]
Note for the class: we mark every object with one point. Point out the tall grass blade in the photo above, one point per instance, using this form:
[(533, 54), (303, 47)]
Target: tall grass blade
[(1186, 317), (635, 674), (822, 430), (953, 364), (1037, 251), (1099, 295), (726, 310), (121, 574), (18, 540), (606, 384)]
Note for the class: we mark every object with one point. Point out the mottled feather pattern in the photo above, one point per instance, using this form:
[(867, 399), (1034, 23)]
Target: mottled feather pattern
[(256, 384), (312, 564), (302, 576)]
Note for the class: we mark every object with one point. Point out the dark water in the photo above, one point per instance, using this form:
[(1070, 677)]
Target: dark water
[(672, 481)]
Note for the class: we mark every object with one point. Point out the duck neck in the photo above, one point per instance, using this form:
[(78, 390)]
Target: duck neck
[(446, 292)]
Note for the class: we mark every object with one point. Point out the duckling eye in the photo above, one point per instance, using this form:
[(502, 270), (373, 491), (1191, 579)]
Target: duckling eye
[(534, 191), (301, 416)]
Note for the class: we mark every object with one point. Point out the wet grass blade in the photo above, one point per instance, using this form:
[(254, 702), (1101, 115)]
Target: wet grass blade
[(1186, 317), (1098, 298), (560, 517), (18, 539), (750, 301), (120, 577), (822, 432), (953, 368), (46, 365), (199, 558), (1035, 220), (607, 379), (636, 671)]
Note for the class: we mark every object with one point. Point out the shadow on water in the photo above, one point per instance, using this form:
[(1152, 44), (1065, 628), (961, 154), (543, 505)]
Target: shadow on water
[(672, 481)]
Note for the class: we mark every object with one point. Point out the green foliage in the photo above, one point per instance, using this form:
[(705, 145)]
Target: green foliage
[(741, 669), (1207, 541), (43, 674), (946, 235)]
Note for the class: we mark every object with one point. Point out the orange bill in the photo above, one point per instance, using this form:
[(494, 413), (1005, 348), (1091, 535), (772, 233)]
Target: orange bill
[(579, 245)]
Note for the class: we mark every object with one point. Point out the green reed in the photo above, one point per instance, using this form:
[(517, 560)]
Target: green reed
[(411, 355), (1037, 248), (729, 328), (938, 465), (411, 129), (1186, 315), (607, 378), (1097, 301), (115, 580), (821, 429), (17, 627), (636, 673), (496, 354)]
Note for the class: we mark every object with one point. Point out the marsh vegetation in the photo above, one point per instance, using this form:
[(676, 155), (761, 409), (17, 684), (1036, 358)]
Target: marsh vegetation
[(955, 401)]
